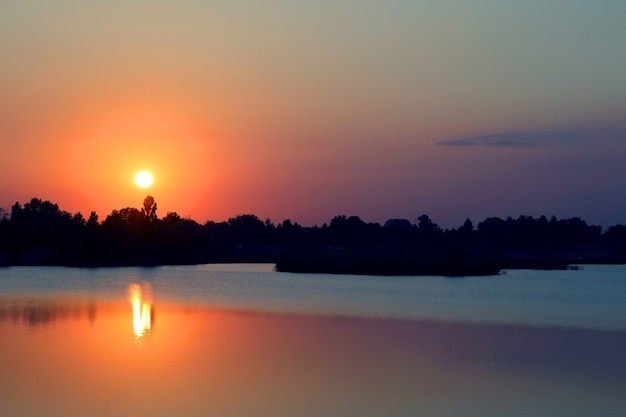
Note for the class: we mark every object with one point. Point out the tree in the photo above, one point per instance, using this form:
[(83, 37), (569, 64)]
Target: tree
[(427, 227), (468, 226), (149, 209), (172, 218), (93, 220), (129, 216), (246, 229), (79, 219), (466, 233)]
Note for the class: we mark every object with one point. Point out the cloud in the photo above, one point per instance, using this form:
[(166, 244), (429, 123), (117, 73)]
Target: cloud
[(498, 140), (570, 136), (458, 142), (512, 144)]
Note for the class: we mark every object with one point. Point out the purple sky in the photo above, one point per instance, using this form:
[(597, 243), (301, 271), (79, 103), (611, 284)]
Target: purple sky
[(305, 110)]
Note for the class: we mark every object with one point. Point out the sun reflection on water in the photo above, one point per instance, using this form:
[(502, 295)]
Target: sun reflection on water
[(140, 297)]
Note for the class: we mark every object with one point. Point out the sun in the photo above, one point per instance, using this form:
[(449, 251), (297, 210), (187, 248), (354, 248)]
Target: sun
[(144, 179)]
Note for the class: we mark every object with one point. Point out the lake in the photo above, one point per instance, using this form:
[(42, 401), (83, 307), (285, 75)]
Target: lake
[(244, 340)]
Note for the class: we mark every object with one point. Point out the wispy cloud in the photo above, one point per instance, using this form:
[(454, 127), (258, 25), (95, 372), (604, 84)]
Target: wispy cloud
[(549, 138), (499, 140), (512, 144), (458, 142)]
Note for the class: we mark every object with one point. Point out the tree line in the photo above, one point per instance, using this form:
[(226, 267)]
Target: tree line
[(40, 233)]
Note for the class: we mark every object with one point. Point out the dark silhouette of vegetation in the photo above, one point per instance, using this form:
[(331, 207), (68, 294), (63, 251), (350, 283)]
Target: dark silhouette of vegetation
[(40, 233)]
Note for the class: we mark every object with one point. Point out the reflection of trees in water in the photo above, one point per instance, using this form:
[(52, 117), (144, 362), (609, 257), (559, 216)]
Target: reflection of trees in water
[(37, 312)]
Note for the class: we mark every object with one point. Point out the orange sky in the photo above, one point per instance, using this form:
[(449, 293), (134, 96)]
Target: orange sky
[(306, 111)]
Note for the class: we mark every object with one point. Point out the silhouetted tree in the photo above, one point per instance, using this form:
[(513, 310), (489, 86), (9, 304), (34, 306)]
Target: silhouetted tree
[(398, 232), (93, 240), (290, 233), (129, 216), (464, 235), (40, 233), (492, 232), (429, 232), (178, 240), (615, 236), (171, 218), (93, 219), (149, 209), (16, 210), (426, 226), (467, 227), (246, 229)]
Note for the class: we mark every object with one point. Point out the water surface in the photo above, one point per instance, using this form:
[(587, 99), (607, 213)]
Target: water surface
[(591, 297), (242, 340)]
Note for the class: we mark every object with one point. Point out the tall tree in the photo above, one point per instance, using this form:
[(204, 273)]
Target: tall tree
[(149, 209)]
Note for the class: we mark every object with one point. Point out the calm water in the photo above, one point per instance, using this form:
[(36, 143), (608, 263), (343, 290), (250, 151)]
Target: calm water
[(243, 340)]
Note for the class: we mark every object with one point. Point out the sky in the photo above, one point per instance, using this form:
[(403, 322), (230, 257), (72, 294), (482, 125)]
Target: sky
[(304, 110)]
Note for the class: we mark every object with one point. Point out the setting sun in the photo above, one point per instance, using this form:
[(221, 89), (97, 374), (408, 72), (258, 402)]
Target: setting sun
[(144, 179)]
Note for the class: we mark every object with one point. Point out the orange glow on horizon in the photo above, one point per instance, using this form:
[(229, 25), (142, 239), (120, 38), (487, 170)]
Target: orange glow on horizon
[(103, 161)]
